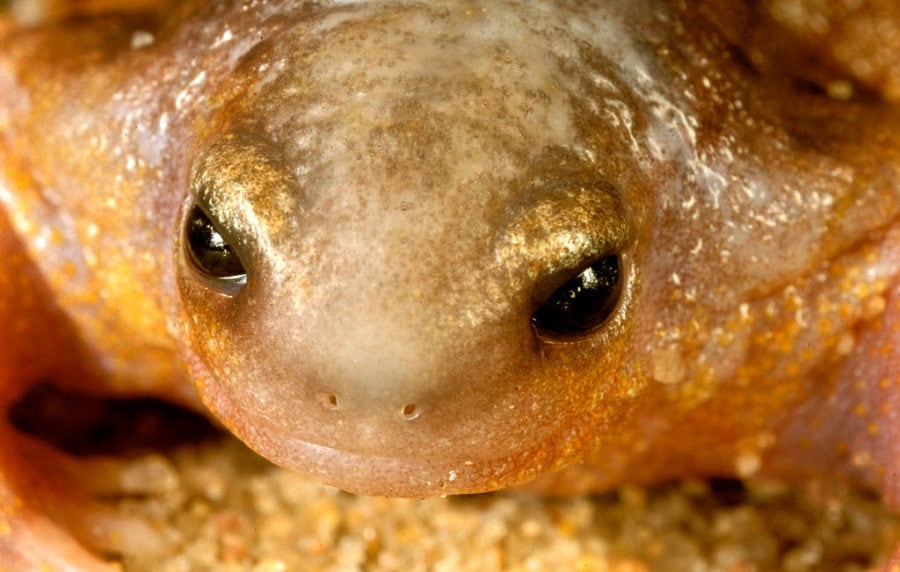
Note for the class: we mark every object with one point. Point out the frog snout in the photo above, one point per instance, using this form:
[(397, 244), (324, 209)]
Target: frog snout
[(385, 378), (398, 384)]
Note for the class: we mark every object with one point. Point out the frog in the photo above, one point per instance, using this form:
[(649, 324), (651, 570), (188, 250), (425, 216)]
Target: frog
[(418, 249)]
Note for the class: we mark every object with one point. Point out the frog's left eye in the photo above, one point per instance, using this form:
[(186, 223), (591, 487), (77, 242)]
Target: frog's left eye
[(209, 251)]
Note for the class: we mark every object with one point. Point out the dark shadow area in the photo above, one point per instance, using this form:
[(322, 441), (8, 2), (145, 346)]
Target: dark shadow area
[(728, 492), (81, 424)]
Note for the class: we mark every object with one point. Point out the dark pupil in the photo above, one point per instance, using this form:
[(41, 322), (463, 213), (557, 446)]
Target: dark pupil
[(209, 250), (584, 302)]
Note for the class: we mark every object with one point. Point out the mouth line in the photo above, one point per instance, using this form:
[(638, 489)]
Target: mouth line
[(404, 476)]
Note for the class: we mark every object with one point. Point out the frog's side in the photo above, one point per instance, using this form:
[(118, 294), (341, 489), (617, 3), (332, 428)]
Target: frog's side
[(405, 184)]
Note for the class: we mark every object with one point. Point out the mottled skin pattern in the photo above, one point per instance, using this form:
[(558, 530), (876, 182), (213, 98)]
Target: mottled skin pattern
[(405, 184)]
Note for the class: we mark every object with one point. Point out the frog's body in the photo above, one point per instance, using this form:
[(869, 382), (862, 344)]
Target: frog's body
[(404, 185)]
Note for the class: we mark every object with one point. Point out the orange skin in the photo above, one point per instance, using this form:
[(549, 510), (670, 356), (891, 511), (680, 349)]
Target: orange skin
[(405, 186)]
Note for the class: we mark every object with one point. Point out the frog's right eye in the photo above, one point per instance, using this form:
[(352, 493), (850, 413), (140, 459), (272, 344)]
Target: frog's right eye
[(210, 253), (584, 302)]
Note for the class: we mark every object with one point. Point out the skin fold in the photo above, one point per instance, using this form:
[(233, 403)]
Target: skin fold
[(403, 187)]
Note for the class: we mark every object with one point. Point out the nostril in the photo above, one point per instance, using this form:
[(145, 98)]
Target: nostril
[(328, 400), (410, 411)]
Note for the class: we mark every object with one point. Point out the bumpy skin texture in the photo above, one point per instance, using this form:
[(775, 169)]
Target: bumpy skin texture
[(406, 182)]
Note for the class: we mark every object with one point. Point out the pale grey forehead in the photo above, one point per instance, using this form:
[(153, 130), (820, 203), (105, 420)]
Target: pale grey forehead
[(487, 72)]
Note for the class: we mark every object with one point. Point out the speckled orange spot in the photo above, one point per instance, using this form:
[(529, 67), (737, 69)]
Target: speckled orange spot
[(862, 458)]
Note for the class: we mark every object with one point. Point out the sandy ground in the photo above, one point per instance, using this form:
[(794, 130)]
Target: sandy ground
[(227, 509)]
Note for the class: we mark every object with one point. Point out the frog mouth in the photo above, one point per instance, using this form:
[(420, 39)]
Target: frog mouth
[(408, 476)]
